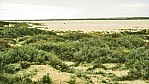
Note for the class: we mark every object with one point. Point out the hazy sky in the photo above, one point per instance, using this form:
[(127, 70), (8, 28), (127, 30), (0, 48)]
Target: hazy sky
[(49, 9)]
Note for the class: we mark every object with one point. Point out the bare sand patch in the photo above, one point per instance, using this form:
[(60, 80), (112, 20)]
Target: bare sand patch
[(133, 82), (56, 76)]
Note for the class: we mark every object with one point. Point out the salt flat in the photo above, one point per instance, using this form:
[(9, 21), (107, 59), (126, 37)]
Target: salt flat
[(94, 25)]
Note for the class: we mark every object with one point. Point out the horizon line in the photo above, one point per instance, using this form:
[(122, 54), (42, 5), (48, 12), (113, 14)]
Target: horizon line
[(103, 18)]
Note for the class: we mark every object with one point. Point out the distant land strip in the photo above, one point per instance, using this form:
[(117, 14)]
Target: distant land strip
[(116, 18)]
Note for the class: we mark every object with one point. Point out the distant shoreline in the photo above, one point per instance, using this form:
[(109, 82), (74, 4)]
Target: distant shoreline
[(118, 18)]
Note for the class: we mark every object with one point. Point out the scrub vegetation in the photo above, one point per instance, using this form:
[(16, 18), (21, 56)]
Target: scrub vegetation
[(34, 56)]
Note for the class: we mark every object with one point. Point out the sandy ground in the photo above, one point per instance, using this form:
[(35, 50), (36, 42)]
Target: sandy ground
[(59, 77), (56, 76), (94, 25)]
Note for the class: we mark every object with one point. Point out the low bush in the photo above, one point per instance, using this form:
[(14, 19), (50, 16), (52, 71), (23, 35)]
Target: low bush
[(46, 79)]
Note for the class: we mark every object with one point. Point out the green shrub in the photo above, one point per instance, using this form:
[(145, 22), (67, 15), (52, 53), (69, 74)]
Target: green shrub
[(46, 79), (75, 35), (12, 68), (25, 64), (138, 63), (130, 41), (10, 79), (26, 53), (4, 45), (20, 32), (72, 81)]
